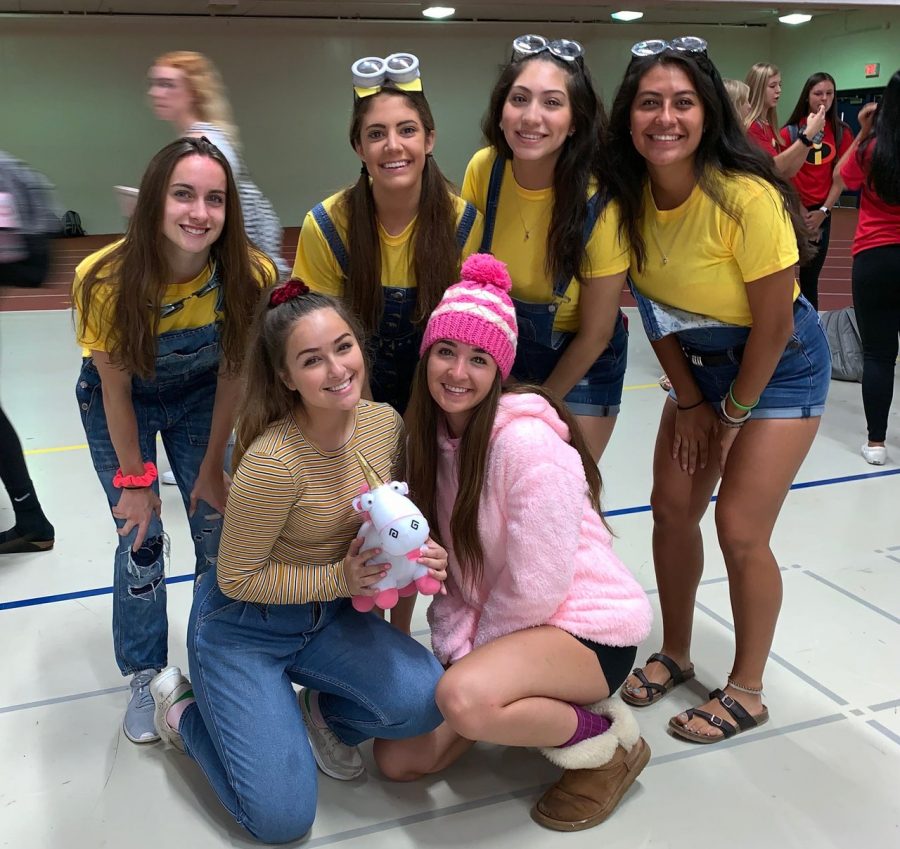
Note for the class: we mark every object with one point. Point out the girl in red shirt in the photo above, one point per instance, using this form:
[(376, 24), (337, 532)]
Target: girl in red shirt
[(874, 166), (764, 82), (816, 181)]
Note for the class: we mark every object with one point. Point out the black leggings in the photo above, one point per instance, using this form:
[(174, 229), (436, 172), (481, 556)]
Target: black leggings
[(876, 299), (12, 461), (809, 273)]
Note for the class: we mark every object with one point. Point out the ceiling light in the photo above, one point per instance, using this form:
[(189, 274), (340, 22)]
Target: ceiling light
[(438, 12), (627, 16), (795, 19)]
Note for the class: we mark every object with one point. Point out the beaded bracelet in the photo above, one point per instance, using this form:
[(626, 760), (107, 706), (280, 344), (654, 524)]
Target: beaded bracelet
[(737, 403), (121, 481)]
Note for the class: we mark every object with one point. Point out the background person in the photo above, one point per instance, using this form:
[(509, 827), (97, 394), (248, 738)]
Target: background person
[(873, 164)]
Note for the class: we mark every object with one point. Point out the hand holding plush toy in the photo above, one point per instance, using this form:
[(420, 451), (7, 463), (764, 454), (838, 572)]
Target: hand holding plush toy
[(396, 526)]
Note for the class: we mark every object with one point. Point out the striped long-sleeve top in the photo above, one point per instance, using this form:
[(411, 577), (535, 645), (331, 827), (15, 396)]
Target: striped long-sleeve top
[(289, 519)]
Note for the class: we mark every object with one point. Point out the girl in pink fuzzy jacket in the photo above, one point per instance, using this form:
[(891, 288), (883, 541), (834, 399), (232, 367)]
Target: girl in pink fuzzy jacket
[(541, 620)]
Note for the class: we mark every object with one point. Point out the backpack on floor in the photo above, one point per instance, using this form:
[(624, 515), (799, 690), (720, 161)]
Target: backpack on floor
[(844, 341), (72, 224)]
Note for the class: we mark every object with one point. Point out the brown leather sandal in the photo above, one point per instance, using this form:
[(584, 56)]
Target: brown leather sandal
[(656, 691), (743, 721)]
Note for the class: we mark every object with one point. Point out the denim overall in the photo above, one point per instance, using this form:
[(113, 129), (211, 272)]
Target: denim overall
[(178, 404), (540, 347), (394, 348), (714, 349)]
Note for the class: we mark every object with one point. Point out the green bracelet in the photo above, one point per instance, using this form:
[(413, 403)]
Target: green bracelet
[(737, 403)]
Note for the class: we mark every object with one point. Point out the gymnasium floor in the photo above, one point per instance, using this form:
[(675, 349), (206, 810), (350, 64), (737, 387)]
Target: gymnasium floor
[(824, 772)]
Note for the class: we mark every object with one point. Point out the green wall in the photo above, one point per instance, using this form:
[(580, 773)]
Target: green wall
[(841, 44), (73, 99)]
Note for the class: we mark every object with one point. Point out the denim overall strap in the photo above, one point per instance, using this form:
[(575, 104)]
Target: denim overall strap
[(465, 225), (536, 320), (493, 199), (326, 225), (215, 282)]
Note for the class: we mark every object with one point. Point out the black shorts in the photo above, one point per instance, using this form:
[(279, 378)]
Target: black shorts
[(615, 661)]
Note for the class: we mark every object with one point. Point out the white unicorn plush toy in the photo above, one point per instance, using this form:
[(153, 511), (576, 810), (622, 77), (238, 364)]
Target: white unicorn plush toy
[(396, 526)]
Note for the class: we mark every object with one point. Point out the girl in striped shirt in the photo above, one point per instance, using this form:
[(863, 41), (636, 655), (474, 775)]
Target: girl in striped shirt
[(276, 611)]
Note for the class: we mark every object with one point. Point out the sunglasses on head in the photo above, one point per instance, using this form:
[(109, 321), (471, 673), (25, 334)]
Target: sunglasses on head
[(690, 44), (562, 48)]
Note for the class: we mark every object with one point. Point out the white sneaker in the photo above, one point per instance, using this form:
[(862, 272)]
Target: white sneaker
[(334, 758), (168, 478), (874, 454), (166, 688)]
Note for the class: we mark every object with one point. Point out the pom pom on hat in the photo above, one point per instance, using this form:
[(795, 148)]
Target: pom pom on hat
[(485, 269), (478, 311)]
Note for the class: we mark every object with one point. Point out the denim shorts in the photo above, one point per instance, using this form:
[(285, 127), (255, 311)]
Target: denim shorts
[(599, 392), (799, 385)]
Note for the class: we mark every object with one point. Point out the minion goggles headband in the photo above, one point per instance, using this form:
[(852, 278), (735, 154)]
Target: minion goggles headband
[(371, 72), (530, 45)]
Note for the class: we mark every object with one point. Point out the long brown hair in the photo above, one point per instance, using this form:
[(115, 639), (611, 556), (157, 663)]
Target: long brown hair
[(583, 156), (802, 110), (436, 254), (423, 417), (724, 151), (265, 398), (138, 272)]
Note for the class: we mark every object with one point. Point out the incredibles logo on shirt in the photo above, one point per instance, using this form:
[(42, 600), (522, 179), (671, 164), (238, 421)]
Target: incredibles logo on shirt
[(820, 153)]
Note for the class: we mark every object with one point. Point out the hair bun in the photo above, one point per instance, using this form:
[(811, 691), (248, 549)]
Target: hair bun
[(486, 270)]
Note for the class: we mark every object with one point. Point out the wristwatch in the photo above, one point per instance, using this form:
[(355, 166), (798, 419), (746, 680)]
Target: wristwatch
[(825, 210), (803, 138)]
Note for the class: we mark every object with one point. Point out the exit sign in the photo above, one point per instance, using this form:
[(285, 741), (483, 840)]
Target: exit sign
[(873, 69)]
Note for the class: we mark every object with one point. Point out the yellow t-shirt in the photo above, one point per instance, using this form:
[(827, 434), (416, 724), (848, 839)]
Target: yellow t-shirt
[(523, 212), (195, 312), (711, 257), (316, 265)]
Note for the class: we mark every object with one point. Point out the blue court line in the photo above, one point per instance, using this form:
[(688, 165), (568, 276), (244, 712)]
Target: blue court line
[(645, 508), (625, 511)]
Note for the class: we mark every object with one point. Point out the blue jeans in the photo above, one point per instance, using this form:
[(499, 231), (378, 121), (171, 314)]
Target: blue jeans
[(246, 731), (599, 392), (394, 349), (177, 403), (798, 387)]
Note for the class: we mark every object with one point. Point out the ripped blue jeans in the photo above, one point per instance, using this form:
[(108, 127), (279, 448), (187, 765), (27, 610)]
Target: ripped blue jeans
[(177, 404)]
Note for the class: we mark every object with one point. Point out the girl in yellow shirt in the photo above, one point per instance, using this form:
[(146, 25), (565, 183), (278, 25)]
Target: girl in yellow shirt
[(714, 234), (541, 185), (162, 317), (391, 243)]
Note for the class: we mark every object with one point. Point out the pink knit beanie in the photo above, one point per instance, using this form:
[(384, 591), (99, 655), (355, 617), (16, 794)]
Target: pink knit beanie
[(478, 311)]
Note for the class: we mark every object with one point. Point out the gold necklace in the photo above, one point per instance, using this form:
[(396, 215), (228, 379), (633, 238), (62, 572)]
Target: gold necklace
[(654, 231), (525, 227)]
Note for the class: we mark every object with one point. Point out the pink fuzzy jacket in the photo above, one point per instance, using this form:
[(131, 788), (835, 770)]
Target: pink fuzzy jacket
[(548, 559)]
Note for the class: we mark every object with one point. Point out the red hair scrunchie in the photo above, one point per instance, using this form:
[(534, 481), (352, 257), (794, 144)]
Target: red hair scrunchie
[(287, 292)]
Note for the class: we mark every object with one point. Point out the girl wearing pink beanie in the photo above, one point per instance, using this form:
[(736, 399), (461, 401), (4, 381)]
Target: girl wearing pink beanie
[(541, 619)]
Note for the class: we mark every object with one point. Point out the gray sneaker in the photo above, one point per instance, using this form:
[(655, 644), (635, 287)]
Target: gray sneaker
[(334, 758), (138, 724)]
